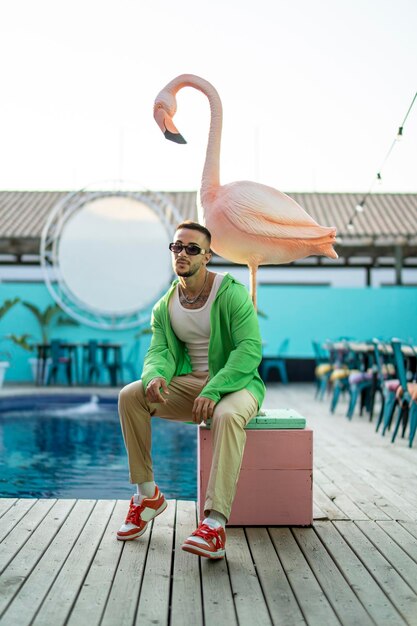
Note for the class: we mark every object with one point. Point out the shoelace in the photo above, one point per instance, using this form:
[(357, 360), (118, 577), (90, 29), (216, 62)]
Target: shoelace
[(206, 532), (134, 511)]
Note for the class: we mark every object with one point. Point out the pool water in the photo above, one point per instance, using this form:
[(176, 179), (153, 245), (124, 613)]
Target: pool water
[(78, 452)]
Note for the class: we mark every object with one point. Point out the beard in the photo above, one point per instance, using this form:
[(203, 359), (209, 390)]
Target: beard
[(185, 271)]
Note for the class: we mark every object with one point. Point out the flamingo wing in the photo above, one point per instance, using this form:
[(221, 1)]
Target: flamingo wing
[(265, 211)]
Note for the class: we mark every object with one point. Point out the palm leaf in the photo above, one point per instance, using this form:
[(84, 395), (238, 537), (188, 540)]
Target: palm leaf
[(36, 311), (67, 321), (7, 305), (21, 341)]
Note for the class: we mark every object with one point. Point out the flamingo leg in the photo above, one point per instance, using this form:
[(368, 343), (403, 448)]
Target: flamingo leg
[(252, 273)]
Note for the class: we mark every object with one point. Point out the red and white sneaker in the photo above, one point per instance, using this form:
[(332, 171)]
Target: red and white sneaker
[(209, 541), (140, 514)]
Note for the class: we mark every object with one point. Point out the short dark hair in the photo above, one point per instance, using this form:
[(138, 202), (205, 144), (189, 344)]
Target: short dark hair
[(195, 226)]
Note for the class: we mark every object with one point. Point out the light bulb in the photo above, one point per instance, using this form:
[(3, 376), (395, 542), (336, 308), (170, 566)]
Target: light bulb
[(359, 207), (350, 226), (399, 133)]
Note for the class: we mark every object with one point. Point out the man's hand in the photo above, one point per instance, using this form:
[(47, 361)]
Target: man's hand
[(153, 393), (203, 409)]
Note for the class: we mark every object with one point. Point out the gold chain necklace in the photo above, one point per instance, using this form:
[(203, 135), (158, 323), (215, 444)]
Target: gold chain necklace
[(188, 301)]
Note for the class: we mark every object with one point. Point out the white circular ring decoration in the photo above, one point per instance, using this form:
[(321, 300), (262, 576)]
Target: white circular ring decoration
[(105, 254)]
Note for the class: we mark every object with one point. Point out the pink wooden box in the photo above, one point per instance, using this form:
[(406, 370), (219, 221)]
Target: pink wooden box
[(275, 485)]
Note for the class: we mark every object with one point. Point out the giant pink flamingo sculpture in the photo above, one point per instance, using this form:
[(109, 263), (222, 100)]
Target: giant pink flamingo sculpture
[(250, 223)]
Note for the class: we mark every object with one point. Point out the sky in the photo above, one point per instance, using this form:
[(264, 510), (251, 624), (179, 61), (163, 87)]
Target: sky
[(312, 92)]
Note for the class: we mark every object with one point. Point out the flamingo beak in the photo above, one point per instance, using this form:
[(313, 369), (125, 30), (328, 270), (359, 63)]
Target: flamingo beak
[(167, 126)]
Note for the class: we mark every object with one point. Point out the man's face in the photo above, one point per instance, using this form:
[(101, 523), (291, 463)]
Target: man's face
[(184, 264)]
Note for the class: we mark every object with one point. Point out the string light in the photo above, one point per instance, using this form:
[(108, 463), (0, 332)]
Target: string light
[(360, 206)]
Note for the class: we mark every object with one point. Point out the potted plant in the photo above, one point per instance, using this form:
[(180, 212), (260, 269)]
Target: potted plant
[(46, 318), (4, 355)]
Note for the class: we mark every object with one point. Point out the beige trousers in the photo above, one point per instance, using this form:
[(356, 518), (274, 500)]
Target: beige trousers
[(230, 416)]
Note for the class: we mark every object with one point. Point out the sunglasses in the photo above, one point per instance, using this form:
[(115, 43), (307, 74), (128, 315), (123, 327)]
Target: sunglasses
[(192, 249)]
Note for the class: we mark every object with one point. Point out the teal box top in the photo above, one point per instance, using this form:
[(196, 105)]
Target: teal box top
[(272, 419), (277, 418)]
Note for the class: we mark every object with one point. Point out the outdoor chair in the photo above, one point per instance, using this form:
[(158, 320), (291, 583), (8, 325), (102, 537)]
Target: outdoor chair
[(404, 398), (322, 370), (339, 380), (91, 367), (277, 362), (60, 362), (360, 385), (412, 389), (343, 362), (387, 385)]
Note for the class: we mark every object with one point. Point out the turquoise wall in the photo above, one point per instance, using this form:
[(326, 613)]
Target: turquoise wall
[(306, 313), (300, 313), (19, 321)]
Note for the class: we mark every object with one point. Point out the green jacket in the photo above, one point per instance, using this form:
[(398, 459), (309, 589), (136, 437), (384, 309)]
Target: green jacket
[(235, 348)]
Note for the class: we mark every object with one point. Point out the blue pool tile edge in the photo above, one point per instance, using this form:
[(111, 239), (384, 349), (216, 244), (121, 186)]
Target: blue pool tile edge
[(37, 401)]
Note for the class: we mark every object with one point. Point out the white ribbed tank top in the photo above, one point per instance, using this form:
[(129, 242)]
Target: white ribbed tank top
[(192, 326)]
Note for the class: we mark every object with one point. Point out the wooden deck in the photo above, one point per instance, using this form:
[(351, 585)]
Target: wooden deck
[(60, 562)]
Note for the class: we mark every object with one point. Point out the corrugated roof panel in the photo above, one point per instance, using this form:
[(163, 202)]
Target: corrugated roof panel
[(24, 213)]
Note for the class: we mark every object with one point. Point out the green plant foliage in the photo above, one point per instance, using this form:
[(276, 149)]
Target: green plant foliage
[(21, 341), (47, 316), (7, 305)]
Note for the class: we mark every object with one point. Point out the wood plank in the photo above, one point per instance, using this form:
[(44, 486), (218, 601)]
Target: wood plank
[(92, 598), (310, 597), (397, 507), (399, 559), (397, 590), (342, 501), (5, 504), (405, 539), (63, 593), (247, 593), (21, 533), (344, 602), (411, 527), (123, 599), (15, 513), (326, 504), (282, 604), (153, 605), (401, 484), (318, 513), (186, 601), (26, 559), (218, 604), (407, 511), (370, 471), (360, 580), (355, 492), (32, 593)]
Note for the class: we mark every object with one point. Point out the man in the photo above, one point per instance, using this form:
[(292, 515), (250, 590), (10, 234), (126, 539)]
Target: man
[(201, 364)]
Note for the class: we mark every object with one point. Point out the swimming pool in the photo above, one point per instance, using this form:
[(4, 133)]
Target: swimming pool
[(52, 449)]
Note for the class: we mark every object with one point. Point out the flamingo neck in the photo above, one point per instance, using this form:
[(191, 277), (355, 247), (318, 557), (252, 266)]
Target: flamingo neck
[(211, 172)]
